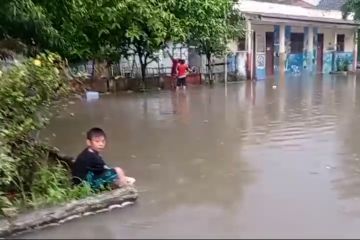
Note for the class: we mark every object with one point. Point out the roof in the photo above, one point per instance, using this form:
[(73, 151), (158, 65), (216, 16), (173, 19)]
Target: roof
[(331, 4), (256, 6), (288, 18)]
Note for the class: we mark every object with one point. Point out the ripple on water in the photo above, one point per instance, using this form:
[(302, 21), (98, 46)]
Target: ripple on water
[(291, 134)]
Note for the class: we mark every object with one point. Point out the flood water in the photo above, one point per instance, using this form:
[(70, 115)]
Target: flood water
[(246, 161)]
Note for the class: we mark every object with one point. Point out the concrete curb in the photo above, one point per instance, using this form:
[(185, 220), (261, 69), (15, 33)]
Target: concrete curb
[(42, 218)]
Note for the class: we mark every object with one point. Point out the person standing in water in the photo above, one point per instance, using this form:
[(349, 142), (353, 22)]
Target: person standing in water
[(182, 71)]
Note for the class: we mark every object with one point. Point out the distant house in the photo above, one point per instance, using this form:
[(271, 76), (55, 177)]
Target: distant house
[(294, 36)]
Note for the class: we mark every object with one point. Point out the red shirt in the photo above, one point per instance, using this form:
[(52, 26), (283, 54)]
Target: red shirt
[(182, 70)]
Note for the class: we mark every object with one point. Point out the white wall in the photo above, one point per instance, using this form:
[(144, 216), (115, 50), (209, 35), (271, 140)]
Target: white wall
[(349, 39), (295, 29), (329, 38), (330, 35), (178, 51), (262, 28), (260, 31)]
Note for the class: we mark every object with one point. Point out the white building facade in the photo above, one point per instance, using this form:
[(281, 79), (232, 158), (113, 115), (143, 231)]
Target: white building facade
[(292, 39)]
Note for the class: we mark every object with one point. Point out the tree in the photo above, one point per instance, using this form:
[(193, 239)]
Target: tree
[(351, 6), (91, 26), (151, 25), (75, 29), (108, 29), (93, 29), (210, 25), (28, 21)]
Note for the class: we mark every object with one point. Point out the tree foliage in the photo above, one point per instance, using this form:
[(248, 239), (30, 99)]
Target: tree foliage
[(151, 25), (108, 29), (210, 25), (351, 6), (30, 22)]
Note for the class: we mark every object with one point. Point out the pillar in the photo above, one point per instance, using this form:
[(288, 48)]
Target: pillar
[(282, 49), (333, 59), (355, 49), (335, 40), (310, 49), (249, 40), (315, 51)]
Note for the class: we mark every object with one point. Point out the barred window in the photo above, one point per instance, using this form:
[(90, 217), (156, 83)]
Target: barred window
[(340, 39), (241, 44)]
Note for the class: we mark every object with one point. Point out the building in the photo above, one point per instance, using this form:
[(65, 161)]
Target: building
[(296, 36)]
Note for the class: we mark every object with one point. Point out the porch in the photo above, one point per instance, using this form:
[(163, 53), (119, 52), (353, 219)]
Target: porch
[(281, 44), (283, 38)]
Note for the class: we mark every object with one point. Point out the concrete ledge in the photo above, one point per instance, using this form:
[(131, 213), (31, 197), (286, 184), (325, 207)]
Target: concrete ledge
[(41, 218)]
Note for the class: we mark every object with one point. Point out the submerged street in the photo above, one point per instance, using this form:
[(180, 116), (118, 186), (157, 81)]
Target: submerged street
[(244, 161)]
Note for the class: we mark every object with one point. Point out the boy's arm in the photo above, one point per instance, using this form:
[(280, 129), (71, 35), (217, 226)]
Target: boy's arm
[(97, 164), (188, 69)]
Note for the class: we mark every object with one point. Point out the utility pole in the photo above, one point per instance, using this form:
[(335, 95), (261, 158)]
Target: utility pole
[(226, 69), (225, 60)]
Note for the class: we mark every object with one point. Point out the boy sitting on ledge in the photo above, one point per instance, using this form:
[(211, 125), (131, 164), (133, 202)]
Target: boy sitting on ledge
[(90, 167)]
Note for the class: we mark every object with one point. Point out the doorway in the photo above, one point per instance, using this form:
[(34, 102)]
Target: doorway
[(269, 53), (320, 52)]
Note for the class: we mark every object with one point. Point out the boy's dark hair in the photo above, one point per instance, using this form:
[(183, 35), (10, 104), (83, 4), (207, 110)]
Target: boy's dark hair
[(182, 61), (95, 132)]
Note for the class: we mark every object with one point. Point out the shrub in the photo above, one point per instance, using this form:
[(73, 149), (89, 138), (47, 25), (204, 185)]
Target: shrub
[(27, 92)]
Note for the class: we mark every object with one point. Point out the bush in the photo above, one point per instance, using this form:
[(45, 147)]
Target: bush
[(27, 92)]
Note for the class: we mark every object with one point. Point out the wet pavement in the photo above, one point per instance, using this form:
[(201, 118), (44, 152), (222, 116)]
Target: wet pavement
[(246, 161)]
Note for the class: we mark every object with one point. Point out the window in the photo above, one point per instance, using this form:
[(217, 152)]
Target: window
[(241, 44), (340, 39), (297, 42)]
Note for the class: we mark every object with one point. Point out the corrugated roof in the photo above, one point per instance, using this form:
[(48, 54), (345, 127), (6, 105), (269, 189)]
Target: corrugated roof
[(331, 4)]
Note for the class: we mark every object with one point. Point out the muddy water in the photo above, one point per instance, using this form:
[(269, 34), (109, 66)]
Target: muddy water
[(246, 161)]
